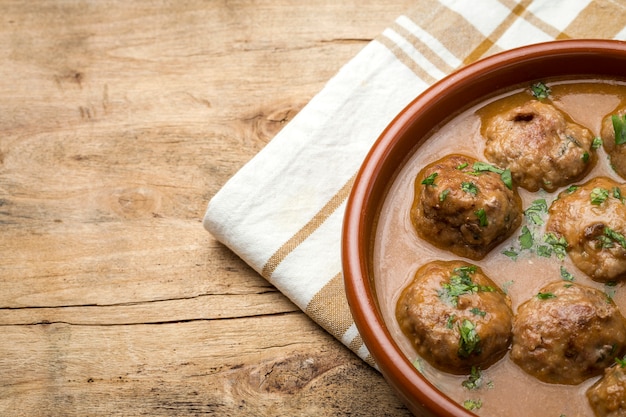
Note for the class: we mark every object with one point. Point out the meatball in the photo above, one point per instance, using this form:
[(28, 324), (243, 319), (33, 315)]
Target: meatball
[(455, 316), (615, 148), (567, 333), (464, 206), (592, 219), (539, 145), (607, 397)]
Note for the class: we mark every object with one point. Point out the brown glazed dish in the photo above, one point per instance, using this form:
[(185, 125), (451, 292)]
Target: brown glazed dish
[(568, 58)]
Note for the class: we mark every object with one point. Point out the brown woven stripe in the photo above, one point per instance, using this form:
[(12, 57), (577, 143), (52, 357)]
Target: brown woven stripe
[(307, 229), (457, 34), (405, 59), (356, 344), (329, 307), (598, 18), (423, 49), (534, 20), (485, 47)]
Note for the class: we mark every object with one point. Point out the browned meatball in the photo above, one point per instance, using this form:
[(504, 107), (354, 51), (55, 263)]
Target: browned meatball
[(539, 145), (592, 219), (615, 149), (455, 316), (462, 207), (607, 397), (567, 333)]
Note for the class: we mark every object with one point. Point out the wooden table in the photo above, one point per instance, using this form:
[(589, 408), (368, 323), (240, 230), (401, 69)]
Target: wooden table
[(118, 121)]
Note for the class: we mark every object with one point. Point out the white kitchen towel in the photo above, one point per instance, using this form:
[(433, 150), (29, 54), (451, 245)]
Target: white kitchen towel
[(282, 212)]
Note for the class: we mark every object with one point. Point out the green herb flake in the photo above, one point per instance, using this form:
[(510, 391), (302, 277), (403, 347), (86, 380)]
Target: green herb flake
[(526, 238), (444, 195), (511, 253), (460, 283), (462, 166), (482, 217), (558, 244), (617, 193), (475, 379), (450, 321), (545, 295), (505, 174), (472, 404), (565, 275), (619, 126), (544, 251), (585, 157), (599, 195), (572, 188), (597, 143), (604, 242), (419, 365), (621, 362), (478, 312), (469, 341), (540, 90), (615, 236), (534, 213), (430, 180), (507, 179), (469, 187)]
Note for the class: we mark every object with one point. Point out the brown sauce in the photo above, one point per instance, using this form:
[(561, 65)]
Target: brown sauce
[(399, 252)]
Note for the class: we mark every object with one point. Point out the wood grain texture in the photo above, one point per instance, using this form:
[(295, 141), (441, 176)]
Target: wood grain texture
[(119, 120)]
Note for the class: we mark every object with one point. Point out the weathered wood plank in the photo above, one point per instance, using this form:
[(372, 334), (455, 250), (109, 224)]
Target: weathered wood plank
[(118, 121)]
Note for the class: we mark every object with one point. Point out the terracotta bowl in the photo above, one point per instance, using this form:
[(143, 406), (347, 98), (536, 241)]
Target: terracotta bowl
[(403, 137)]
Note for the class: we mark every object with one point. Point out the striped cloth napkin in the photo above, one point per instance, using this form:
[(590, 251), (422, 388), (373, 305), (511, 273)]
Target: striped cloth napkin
[(282, 212)]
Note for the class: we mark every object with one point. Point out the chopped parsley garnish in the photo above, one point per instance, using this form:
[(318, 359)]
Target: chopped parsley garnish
[(615, 236), (544, 251), (585, 157), (526, 238), (505, 174), (540, 90), (558, 244), (597, 143), (599, 195), (450, 321), (469, 187), (532, 238), (534, 212), (567, 276), (482, 217), (462, 166), (444, 195), (619, 126), (461, 283), (621, 362), (604, 242), (472, 404), (545, 295), (469, 341), (475, 379), (430, 180), (511, 253), (507, 179), (477, 311), (617, 193), (571, 189)]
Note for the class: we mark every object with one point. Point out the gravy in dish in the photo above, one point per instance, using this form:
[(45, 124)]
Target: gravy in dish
[(503, 389)]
